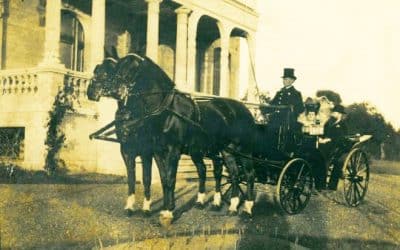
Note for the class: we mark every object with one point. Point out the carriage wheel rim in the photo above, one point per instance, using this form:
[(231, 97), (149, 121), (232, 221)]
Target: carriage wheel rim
[(355, 177), (292, 195)]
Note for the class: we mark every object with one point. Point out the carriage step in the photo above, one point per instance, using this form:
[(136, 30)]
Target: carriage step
[(187, 170)]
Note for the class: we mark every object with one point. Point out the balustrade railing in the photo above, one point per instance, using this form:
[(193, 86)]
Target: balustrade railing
[(15, 82), (79, 82), (26, 81)]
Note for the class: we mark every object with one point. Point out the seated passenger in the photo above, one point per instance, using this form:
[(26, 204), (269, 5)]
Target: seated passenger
[(331, 143), (310, 119), (308, 149)]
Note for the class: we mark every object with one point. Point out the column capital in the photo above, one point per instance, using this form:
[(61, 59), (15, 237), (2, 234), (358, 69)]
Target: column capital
[(183, 10), (153, 2), (224, 29)]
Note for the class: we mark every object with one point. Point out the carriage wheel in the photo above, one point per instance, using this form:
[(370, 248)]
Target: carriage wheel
[(226, 188), (294, 186), (355, 177)]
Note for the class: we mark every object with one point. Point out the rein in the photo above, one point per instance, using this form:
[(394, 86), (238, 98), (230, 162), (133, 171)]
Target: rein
[(165, 105)]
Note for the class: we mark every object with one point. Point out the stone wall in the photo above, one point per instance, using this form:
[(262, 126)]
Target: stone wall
[(24, 37)]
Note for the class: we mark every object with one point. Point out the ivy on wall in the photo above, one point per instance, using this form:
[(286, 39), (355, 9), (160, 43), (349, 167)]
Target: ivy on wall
[(55, 137)]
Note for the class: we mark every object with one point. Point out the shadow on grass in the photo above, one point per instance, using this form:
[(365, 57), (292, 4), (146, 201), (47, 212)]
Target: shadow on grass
[(12, 174)]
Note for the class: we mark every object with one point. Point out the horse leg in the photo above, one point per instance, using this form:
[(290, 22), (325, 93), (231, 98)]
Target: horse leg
[(250, 177), (217, 163), (146, 163), (166, 215), (168, 169), (129, 160), (233, 169), (201, 170)]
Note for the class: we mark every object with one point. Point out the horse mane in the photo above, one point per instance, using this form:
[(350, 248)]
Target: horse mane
[(151, 70)]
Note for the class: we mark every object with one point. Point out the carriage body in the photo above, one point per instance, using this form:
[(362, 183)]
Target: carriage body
[(285, 153)]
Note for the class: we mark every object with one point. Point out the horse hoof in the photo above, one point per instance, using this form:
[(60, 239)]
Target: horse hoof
[(199, 205), (246, 216), (165, 222), (216, 207), (232, 213), (129, 212)]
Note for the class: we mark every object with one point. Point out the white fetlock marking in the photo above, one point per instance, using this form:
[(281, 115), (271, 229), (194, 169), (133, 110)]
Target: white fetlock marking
[(146, 204), (201, 197), (130, 202), (248, 206), (217, 199), (167, 214), (234, 204), (162, 212)]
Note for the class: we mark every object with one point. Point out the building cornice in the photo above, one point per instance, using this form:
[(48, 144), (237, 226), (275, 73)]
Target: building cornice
[(248, 23)]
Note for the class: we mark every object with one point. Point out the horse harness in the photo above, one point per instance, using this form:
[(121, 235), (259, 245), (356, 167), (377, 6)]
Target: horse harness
[(164, 106)]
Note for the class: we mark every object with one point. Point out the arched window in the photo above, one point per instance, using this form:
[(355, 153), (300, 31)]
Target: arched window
[(71, 41)]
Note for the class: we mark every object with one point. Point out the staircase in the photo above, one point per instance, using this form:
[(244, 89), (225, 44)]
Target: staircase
[(187, 170)]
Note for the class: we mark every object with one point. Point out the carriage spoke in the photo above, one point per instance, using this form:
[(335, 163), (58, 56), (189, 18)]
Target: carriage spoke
[(362, 170), (299, 201), (354, 159), (358, 194), (359, 159), (361, 186), (300, 172), (349, 193), (292, 203)]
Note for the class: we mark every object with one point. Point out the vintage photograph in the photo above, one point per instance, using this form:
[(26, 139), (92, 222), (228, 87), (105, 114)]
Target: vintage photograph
[(199, 124)]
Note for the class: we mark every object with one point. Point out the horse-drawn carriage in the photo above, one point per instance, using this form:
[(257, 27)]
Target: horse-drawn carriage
[(154, 120), (289, 162)]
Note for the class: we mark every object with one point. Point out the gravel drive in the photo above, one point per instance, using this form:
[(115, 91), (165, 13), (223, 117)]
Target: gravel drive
[(86, 216)]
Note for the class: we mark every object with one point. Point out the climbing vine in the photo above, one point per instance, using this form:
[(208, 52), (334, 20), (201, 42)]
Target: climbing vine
[(55, 137)]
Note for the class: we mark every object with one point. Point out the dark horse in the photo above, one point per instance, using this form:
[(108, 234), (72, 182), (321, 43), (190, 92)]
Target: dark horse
[(132, 142), (177, 125)]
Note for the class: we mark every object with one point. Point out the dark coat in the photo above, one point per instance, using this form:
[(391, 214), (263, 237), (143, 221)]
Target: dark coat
[(289, 96), (335, 131)]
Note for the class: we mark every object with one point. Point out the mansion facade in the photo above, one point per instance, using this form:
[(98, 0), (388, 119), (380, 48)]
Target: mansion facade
[(48, 44)]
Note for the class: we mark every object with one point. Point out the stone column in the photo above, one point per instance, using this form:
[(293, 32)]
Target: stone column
[(52, 38), (181, 47), (191, 52), (252, 91), (98, 33), (153, 9), (3, 21), (224, 70)]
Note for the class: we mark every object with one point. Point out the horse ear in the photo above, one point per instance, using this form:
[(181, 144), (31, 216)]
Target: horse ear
[(114, 52)]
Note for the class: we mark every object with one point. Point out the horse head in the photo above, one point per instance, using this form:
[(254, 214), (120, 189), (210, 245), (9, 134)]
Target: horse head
[(136, 75), (100, 84)]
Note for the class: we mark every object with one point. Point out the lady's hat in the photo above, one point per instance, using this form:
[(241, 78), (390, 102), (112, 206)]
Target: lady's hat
[(289, 73), (311, 105), (339, 108)]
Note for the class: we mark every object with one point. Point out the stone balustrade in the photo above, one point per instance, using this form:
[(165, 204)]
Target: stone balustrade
[(26, 81), (79, 81), (18, 82)]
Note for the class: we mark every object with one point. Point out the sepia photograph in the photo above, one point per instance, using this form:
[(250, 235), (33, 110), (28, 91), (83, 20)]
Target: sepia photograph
[(199, 124)]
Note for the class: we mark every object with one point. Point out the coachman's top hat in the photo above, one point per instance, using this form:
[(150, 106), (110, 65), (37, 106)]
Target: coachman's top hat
[(339, 108), (289, 72)]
